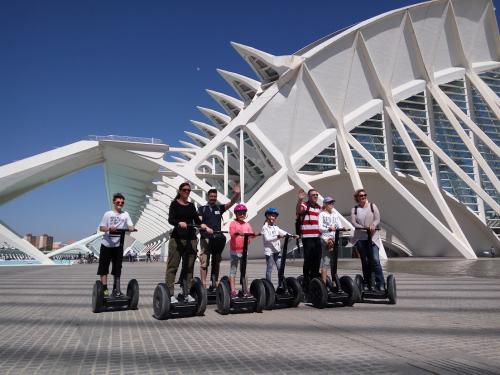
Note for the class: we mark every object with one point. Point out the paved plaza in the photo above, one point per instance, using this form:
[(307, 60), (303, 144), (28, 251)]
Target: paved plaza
[(445, 323)]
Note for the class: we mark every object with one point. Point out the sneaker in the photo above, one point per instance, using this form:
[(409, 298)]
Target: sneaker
[(173, 299), (247, 295), (106, 293), (234, 294), (189, 298), (380, 288), (117, 293)]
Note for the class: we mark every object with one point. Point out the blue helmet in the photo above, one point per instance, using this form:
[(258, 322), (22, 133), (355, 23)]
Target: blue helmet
[(271, 211)]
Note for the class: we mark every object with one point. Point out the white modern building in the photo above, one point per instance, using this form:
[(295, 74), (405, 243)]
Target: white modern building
[(405, 104)]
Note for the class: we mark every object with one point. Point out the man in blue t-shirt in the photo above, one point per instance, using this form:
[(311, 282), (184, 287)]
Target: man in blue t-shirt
[(212, 244)]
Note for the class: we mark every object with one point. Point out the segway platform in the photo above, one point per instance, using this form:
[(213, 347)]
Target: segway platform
[(102, 303), (344, 292), (240, 304), (367, 295), (163, 309), (289, 292)]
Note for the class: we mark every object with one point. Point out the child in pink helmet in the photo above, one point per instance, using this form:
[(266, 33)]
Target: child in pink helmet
[(236, 230)]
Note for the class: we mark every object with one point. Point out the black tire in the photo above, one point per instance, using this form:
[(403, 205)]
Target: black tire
[(318, 293), (200, 295), (392, 294), (161, 301), (223, 297), (351, 289), (270, 299), (97, 297), (295, 290), (258, 291), (133, 294), (358, 280)]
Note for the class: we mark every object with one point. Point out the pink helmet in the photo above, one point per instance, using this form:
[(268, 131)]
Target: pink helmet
[(240, 207)]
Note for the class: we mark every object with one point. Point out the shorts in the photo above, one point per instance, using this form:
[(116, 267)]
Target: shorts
[(112, 255), (211, 247), (325, 255), (235, 259)]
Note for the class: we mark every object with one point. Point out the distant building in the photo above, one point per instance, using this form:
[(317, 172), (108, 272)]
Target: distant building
[(43, 242)]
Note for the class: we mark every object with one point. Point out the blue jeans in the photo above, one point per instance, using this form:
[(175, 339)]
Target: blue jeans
[(272, 260), (364, 249)]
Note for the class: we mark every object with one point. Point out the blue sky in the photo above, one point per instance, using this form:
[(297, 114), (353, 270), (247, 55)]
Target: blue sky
[(69, 69)]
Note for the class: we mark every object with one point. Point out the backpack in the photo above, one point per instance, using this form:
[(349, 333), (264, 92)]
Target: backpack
[(299, 221), (356, 209)]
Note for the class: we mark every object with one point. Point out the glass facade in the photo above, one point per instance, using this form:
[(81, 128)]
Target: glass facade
[(371, 135), (488, 123), (326, 160), (415, 108), (450, 142)]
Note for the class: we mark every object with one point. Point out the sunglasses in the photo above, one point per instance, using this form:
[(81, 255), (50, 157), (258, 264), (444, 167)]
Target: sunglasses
[(361, 195), (186, 190), (120, 203), (314, 195), (240, 212)]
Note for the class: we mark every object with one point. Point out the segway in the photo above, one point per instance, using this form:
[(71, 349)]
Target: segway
[(289, 292), (343, 292), (162, 307), (241, 303), (100, 302), (369, 293)]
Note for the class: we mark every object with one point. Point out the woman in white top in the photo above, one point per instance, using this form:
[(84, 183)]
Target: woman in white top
[(329, 220), (365, 215), (271, 235)]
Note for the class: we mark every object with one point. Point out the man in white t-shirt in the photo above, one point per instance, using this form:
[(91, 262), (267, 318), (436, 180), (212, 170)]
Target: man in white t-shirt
[(112, 243)]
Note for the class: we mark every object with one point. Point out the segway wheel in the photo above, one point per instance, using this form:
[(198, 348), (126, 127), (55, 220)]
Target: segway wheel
[(200, 294), (223, 297), (133, 294), (270, 299), (318, 292), (391, 290), (161, 301), (358, 280), (295, 290), (97, 297), (350, 288), (257, 290)]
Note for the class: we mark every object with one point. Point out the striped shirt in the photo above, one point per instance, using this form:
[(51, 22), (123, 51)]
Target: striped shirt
[(310, 225)]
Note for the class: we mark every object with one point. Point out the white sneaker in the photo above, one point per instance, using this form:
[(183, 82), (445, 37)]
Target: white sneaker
[(173, 299), (190, 298)]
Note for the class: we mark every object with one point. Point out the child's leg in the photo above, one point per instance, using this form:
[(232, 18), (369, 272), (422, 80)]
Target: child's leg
[(232, 272), (104, 261), (269, 267)]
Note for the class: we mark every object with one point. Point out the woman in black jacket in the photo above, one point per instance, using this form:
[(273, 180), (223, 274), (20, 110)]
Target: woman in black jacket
[(182, 216)]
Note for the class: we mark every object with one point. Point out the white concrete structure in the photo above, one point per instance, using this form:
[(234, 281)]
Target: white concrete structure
[(405, 105)]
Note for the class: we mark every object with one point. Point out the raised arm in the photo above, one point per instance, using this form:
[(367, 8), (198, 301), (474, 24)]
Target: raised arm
[(299, 209), (234, 198)]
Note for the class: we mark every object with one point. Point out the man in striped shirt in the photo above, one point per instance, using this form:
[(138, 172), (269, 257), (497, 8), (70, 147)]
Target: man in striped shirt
[(308, 213)]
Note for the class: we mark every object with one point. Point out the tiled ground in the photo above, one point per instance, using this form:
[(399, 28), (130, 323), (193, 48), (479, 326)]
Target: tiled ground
[(444, 323)]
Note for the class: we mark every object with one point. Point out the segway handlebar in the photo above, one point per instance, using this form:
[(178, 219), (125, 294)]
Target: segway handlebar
[(120, 231), (249, 234), (199, 228)]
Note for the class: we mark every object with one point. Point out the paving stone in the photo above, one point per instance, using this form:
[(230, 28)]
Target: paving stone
[(444, 321)]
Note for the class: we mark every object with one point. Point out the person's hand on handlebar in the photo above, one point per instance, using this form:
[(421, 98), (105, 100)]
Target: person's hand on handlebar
[(209, 230), (182, 225)]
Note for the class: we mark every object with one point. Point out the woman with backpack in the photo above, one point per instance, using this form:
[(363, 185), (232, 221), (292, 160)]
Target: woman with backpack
[(365, 217)]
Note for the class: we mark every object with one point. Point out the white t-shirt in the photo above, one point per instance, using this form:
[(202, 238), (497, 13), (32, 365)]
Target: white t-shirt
[(119, 220), (270, 233), (326, 220)]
